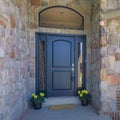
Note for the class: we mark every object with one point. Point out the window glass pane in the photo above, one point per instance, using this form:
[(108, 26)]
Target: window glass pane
[(80, 56), (61, 17), (42, 65)]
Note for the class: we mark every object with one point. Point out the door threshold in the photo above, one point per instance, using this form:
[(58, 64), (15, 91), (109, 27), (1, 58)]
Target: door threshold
[(61, 100)]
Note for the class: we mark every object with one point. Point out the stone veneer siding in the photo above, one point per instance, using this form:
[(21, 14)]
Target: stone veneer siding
[(16, 69), (95, 59), (104, 72), (110, 55), (18, 24)]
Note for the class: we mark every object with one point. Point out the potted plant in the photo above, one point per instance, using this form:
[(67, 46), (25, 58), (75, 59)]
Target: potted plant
[(84, 96), (38, 99)]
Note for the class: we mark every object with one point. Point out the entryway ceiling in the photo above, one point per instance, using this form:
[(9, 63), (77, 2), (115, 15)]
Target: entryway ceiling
[(61, 17)]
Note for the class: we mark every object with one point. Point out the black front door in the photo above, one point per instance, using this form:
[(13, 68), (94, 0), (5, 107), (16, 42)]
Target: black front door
[(60, 65)]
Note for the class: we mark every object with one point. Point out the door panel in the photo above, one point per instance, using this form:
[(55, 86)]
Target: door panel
[(61, 80), (60, 58), (61, 49)]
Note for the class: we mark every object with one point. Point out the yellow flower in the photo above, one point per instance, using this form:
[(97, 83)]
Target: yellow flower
[(35, 96), (81, 95), (83, 91), (86, 92), (42, 94), (78, 92)]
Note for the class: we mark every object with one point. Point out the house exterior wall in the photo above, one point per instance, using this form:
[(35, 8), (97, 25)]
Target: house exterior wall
[(16, 76), (104, 76), (110, 52), (93, 57), (18, 24)]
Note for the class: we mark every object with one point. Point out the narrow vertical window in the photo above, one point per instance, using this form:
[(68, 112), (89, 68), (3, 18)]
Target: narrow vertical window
[(42, 65), (80, 61)]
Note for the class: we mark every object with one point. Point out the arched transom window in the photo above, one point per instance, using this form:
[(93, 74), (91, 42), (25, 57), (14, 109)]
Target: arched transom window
[(61, 17)]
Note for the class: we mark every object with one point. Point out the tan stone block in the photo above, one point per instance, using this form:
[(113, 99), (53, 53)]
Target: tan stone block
[(113, 38), (117, 56), (17, 2), (12, 54), (70, 4), (103, 74), (3, 23), (36, 3), (119, 79), (52, 2), (102, 0), (96, 44), (112, 79), (33, 25), (12, 20), (111, 61), (118, 29), (112, 4), (103, 41), (44, 3)]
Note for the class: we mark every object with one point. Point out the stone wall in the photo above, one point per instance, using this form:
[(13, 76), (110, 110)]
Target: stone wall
[(16, 70), (18, 24), (103, 59), (110, 55), (94, 58)]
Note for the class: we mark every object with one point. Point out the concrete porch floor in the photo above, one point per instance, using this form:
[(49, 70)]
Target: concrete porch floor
[(77, 113)]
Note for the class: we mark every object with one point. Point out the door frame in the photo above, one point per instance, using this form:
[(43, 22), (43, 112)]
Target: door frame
[(40, 36)]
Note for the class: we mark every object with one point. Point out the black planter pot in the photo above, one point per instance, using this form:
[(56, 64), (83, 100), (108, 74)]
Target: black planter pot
[(38, 106), (84, 102)]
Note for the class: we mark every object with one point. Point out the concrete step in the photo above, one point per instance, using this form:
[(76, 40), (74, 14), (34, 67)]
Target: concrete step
[(61, 100)]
